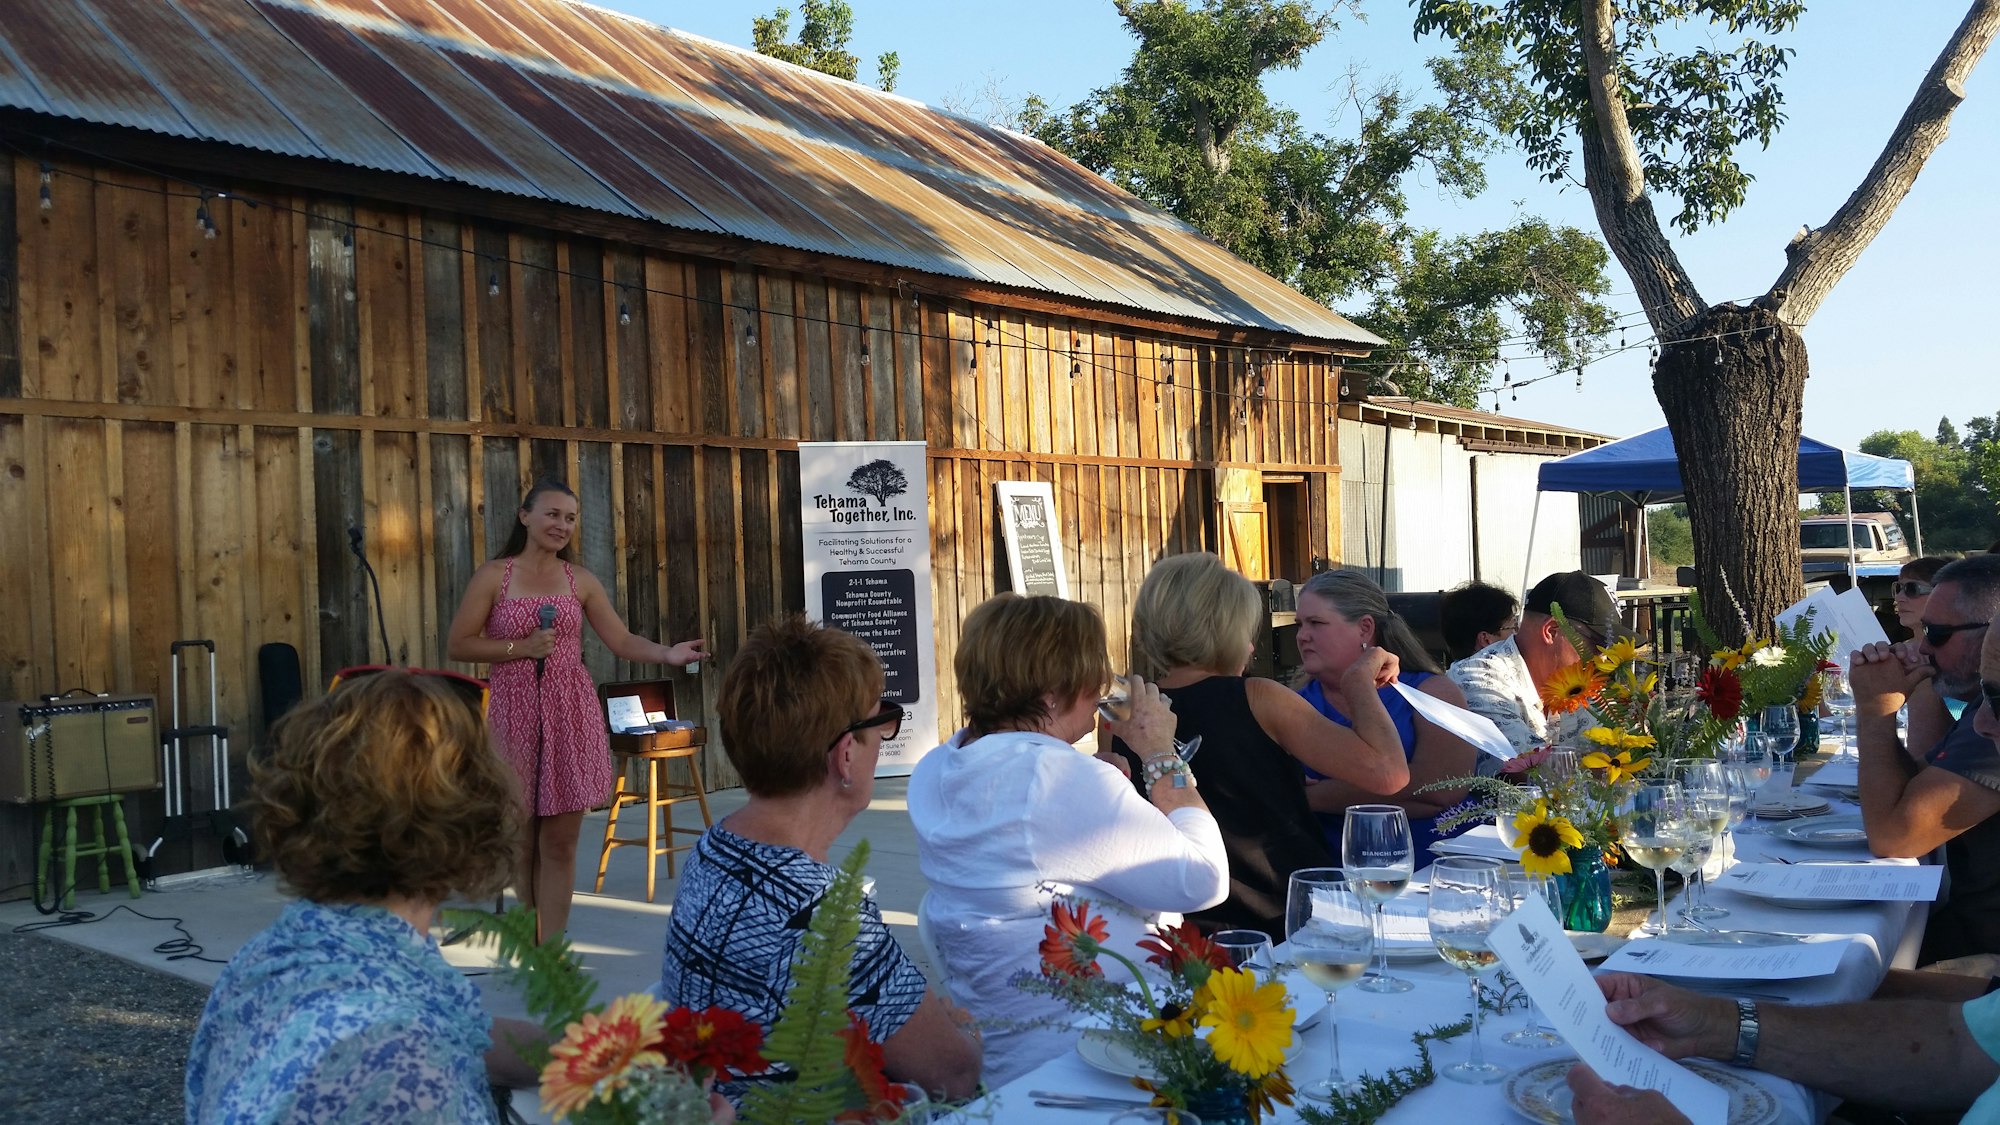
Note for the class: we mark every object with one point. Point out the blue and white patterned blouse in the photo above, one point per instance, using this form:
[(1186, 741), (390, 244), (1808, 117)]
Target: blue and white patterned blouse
[(339, 1014)]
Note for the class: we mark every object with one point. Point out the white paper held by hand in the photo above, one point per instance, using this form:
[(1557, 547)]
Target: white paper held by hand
[(1533, 948), (1474, 728)]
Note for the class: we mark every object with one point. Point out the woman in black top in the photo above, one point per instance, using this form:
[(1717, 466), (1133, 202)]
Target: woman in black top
[(1192, 630)]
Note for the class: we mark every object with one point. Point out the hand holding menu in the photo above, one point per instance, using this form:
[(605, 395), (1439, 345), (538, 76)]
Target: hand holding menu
[(1532, 947)]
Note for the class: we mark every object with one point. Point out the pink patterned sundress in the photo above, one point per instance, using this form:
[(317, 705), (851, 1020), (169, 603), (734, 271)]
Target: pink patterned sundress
[(553, 733)]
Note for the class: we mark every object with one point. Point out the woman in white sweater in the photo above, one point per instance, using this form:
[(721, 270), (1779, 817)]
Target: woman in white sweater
[(1009, 814)]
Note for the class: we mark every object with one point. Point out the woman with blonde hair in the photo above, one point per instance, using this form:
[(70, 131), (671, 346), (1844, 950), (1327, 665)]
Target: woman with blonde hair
[(375, 804), (1192, 629), (1010, 815), (1344, 618)]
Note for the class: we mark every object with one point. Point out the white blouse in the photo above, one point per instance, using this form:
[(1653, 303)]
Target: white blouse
[(1008, 822)]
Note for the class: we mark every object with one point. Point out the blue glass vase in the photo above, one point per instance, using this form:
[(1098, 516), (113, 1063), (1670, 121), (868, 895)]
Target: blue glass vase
[(1226, 1106), (1586, 891)]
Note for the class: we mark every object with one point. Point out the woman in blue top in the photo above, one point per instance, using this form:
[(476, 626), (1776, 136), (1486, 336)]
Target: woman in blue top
[(1340, 615)]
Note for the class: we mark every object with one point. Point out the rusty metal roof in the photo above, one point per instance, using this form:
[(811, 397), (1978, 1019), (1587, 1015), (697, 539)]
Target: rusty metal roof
[(561, 101)]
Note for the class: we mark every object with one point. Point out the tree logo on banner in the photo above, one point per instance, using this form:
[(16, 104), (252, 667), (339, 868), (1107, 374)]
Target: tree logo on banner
[(880, 479)]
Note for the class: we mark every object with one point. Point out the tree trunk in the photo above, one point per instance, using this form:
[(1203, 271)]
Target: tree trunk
[(1732, 385)]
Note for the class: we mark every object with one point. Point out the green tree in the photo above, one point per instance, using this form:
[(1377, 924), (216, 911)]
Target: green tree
[(1955, 498), (825, 28), (1668, 539), (1190, 129), (1653, 97)]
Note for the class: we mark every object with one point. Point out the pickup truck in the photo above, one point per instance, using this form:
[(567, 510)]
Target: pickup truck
[(1879, 546)]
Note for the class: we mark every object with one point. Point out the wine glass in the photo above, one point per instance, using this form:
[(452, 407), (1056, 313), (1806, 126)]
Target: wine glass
[(1377, 854), (1503, 819), (1706, 785), (1748, 767), (1840, 704), (1115, 706), (1781, 723), (1326, 925), (1655, 838), (1523, 885), (1245, 949), (1467, 901)]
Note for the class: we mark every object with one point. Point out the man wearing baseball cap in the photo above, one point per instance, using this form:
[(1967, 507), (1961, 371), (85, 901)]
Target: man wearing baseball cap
[(1503, 681)]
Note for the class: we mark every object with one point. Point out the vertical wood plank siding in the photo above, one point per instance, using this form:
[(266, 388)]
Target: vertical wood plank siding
[(189, 426)]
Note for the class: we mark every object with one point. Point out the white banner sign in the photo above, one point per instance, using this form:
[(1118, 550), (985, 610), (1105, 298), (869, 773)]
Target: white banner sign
[(865, 516)]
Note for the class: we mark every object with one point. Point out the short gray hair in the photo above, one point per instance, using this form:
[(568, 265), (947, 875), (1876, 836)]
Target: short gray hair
[(1978, 580)]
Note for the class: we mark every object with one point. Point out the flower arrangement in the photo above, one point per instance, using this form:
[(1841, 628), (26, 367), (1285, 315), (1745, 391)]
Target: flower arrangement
[(634, 1061), (1249, 1023)]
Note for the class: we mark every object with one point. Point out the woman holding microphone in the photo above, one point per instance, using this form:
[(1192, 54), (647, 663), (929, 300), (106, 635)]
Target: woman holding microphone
[(523, 614)]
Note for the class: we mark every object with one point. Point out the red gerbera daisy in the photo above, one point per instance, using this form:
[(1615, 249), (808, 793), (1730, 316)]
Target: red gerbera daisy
[(1175, 948), (1721, 690), (716, 1040), (1070, 945)]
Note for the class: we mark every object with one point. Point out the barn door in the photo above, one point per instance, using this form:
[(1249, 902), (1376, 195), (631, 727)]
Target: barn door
[(1246, 529)]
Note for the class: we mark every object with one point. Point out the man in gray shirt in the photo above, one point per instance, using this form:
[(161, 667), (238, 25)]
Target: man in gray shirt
[(1503, 681)]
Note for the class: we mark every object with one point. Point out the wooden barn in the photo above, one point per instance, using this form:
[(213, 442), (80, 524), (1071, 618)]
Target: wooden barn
[(271, 270)]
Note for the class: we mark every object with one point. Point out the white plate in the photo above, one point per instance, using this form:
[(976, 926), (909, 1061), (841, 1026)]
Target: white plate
[(1841, 830), (1791, 803), (1540, 1092), (1594, 947), (1110, 1054)]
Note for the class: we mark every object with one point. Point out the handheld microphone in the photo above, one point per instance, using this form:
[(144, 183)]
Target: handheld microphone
[(547, 616)]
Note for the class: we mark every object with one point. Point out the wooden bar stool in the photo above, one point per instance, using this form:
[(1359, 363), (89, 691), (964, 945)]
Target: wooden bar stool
[(102, 849), (657, 793)]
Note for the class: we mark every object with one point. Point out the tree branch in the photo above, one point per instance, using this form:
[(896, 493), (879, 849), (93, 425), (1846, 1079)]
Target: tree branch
[(1616, 180), (1817, 260)]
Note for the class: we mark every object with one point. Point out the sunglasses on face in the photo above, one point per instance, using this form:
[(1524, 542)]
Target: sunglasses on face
[(1992, 693), (1912, 589), (1937, 636), (472, 692), (886, 714)]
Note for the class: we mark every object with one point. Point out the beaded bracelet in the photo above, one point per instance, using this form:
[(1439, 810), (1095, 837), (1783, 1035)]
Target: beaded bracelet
[(1155, 768)]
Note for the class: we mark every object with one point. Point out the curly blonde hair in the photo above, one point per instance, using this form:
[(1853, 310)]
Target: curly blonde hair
[(386, 787)]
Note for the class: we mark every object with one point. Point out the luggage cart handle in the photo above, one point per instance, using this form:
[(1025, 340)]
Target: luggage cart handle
[(179, 645)]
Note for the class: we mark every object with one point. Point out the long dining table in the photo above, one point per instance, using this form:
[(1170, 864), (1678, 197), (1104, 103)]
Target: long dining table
[(1376, 1028)]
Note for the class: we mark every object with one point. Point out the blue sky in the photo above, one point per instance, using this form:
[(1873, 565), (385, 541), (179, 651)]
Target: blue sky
[(1902, 340)]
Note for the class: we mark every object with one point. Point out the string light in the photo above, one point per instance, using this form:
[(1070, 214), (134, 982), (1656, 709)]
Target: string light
[(493, 282), (750, 335), (48, 201), (1579, 376), (865, 359), (624, 309)]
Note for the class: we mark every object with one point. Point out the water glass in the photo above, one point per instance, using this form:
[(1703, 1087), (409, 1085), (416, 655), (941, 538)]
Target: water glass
[(1327, 930), (1706, 784), (1503, 820), (1781, 723), (1245, 949), (1523, 885)]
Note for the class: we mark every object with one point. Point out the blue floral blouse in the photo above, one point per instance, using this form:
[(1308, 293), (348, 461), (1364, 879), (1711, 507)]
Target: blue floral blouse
[(339, 1014)]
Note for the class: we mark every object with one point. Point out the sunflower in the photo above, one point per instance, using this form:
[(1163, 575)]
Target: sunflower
[(1616, 768), (1071, 945), (1620, 739), (1173, 1022), (1571, 688), (1722, 690), (1252, 1024), (1545, 840), (1621, 653), (599, 1052)]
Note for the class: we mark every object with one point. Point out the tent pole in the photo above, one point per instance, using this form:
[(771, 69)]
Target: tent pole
[(1853, 574), (1528, 563), (1917, 520)]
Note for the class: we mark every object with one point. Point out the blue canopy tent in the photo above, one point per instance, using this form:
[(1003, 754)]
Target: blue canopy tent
[(1644, 469)]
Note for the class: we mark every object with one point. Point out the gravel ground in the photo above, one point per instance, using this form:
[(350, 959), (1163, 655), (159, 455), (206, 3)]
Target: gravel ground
[(87, 1037)]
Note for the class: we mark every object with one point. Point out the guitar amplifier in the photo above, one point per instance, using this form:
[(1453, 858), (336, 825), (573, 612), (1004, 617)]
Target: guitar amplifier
[(78, 746)]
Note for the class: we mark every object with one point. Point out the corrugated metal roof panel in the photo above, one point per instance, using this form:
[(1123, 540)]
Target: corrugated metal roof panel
[(570, 103), (84, 73)]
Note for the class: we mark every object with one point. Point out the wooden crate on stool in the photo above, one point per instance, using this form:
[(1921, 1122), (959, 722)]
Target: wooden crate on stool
[(657, 792)]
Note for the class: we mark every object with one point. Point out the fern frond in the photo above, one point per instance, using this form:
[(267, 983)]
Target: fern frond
[(550, 975), (805, 1039)]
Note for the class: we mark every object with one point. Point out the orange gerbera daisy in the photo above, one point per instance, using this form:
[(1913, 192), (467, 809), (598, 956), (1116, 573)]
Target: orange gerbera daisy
[(598, 1052), (1175, 948), (1570, 688), (1071, 944), (879, 1098)]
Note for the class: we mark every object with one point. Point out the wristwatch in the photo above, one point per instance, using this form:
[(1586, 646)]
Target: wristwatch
[(1747, 1033)]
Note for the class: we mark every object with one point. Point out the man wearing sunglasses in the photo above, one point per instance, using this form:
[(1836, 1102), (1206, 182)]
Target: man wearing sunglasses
[(1943, 789)]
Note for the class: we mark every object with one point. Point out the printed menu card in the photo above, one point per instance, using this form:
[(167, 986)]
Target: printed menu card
[(1533, 948)]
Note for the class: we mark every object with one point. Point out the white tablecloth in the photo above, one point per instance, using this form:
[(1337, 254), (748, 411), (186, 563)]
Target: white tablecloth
[(1375, 1028)]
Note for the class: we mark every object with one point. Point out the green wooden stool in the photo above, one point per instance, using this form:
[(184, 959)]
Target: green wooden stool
[(71, 850)]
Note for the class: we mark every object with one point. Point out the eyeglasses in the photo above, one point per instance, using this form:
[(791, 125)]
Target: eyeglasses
[(1912, 589), (472, 692), (887, 714), (1992, 693), (1937, 636)]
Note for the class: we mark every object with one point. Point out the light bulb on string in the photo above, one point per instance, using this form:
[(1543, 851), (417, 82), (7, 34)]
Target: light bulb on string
[(750, 335), (1579, 376), (493, 283), (47, 201), (624, 311), (865, 358)]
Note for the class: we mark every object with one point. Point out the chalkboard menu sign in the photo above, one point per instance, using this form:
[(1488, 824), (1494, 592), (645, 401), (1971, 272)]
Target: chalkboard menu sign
[(1034, 549)]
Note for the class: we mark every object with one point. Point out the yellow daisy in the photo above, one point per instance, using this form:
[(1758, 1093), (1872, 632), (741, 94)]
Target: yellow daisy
[(1174, 1022), (1252, 1024), (1726, 659), (1545, 840), (1815, 689), (599, 1052), (1620, 653), (1620, 739)]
